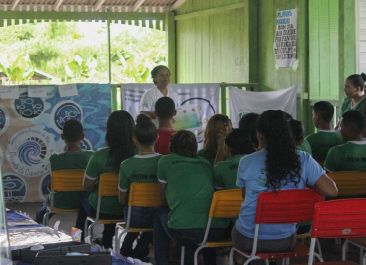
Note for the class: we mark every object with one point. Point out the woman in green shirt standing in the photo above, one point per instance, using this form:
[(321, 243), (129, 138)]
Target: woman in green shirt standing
[(355, 91)]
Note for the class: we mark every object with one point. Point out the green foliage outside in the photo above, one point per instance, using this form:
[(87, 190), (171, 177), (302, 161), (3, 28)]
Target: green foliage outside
[(78, 52)]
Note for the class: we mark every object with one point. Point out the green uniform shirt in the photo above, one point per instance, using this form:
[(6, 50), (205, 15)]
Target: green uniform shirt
[(225, 172), (305, 147), (99, 164), (189, 190), (202, 153), (68, 160), (346, 157), (140, 168), (322, 141), (360, 106)]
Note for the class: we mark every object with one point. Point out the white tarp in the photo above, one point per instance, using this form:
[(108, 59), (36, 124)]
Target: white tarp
[(243, 102)]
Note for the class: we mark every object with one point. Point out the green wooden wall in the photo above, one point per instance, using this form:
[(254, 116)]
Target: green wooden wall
[(212, 46)]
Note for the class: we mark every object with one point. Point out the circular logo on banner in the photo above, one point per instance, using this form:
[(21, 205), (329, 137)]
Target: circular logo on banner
[(15, 188), (28, 152), (4, 120), (45, 185), (86, 145), (28, 108), (64, 111)]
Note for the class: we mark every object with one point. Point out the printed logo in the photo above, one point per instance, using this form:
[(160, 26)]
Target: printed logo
[(45, 185), (15, 188), (64, 111), (28, 152), (28, 108), (4, 120)]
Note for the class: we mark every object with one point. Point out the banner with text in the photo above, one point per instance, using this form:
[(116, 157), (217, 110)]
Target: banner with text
[(284, 44), (31, 121), (243, 102)]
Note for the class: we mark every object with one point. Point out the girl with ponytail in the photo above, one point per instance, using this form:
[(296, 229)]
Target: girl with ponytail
[(278, 165), (355, 91)]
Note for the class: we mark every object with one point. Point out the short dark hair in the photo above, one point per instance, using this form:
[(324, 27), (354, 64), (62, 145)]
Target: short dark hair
[(325, 110), (248, 122), (240, 142), (297, 130), (145, 130), (155, 71), (184, 143), (165, 108), (72, 130), (355, 119)]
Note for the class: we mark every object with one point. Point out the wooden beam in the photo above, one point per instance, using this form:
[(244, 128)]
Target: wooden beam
[(137, 5), (177, 4), (99, 4), (57, 5), (14, 5)]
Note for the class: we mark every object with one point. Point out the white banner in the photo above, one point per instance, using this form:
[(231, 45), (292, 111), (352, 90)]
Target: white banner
[(243, 102), (198, 102), (284, 44)]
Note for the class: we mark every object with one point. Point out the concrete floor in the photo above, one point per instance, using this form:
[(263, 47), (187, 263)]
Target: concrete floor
[(331, 250)]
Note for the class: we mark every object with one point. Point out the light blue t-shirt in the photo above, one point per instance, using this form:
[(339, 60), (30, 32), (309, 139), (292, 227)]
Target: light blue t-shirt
[(252, 177)]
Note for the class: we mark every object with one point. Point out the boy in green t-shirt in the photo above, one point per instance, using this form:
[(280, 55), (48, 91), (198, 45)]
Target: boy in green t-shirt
[(325, 138), (238, 143), (140, 168), (72, 158), (352, 154), (298, 133)]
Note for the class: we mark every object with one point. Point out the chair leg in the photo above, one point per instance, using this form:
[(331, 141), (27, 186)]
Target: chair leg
[(196, 254), (86, 228), (320, 252), (46, 218), (364, 259), (344, 250), (90, 231), (182, 254), (231, 256)]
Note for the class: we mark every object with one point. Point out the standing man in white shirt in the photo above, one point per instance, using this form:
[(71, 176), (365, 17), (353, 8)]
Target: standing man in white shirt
[(161, 77)]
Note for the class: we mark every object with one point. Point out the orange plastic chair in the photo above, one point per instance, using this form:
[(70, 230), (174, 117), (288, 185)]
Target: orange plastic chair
[(107, 186), (65, 180), (140, 195), (281, 207), (224, 204), (349, 183), (344, 218)]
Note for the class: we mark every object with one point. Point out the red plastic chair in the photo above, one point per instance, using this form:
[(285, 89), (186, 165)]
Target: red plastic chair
[(281, 207), (344, 218)]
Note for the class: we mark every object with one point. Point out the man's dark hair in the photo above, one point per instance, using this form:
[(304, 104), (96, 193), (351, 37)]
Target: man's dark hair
[(325, 110), (354, 119), (72, 130), (165, 108)]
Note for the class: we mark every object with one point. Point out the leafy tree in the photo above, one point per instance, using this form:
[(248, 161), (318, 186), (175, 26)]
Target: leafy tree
[(17, 69)]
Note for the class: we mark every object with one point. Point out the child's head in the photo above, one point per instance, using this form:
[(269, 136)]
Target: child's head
[(217, 124), (322, 113), (72, 131), (354, 85), (352, 125), (239, 142), (248, 123), (160, 75), (297, 131), (165, 108), (184, 143), (145, 133)]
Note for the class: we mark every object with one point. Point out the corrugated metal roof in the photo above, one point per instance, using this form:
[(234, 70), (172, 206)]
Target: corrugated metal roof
[(146, 6)]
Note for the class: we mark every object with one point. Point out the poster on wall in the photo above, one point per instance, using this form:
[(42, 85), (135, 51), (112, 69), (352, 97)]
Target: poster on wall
[(284, 44), (198, 102), (31, 126), (243, 102)]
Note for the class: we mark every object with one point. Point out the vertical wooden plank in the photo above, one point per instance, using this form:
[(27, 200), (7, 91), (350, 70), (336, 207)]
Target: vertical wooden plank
[(170, 31), (324, 53), (333, 50)]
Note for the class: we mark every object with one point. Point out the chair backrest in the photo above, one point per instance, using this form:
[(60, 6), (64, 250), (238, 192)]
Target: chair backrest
[(349, 183), (144, 195), (286, 206), (342, 218), (108, 184), (67, 180), (226, 203)]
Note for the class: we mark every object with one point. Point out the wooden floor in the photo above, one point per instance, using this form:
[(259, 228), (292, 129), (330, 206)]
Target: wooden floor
[(331, 250)]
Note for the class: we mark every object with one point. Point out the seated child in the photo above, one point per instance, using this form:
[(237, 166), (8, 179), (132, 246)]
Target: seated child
[(352, 154), (325, 138), (165, 112), (248, 123), (239, 143), (140, 168), (71, 158), (298, 133)]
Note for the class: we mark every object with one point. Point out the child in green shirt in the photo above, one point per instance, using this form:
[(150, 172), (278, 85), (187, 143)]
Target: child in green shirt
[(325, 138), (140, 168), (238, 143), (352, 154)]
